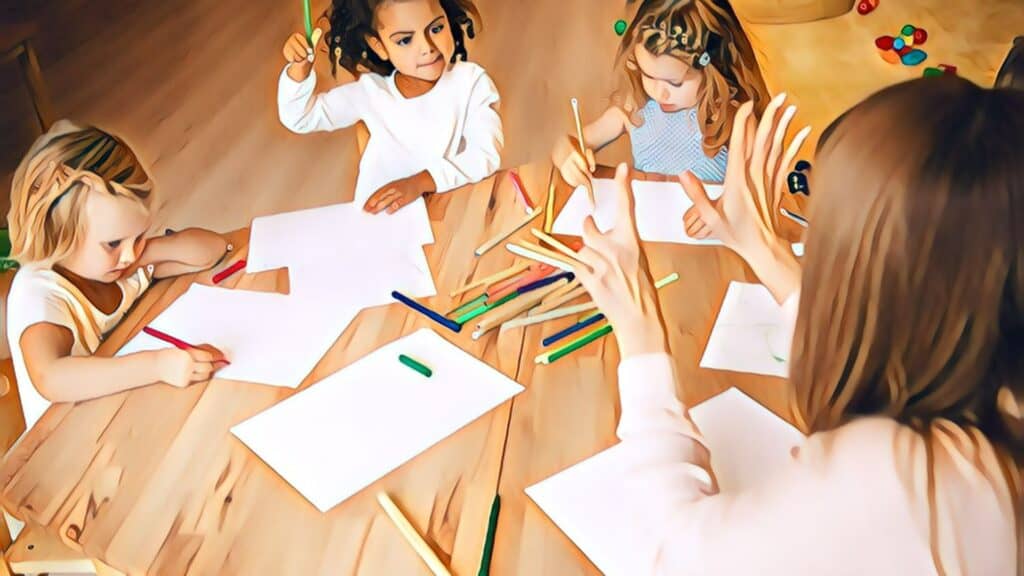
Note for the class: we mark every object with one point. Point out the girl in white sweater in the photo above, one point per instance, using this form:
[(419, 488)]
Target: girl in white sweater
[(432, 117), (907, 355)]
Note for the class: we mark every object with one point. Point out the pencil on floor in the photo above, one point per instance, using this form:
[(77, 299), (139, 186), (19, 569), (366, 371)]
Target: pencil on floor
[(521, 191), (538, 249), (411, 536), (468, 305), (588, 321), (547, 316), (521, 305), (561, 299), (453, 326)]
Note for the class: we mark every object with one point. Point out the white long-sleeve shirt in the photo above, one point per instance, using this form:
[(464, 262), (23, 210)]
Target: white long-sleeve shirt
[(453, 131), (854, 500)]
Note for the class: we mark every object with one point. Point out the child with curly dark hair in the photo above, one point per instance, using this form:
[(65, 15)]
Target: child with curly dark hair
[(432, 116)]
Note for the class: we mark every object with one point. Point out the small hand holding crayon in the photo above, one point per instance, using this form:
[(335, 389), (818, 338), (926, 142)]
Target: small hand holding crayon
[(300, 52), (394, 196), (613, 269), (183, 367), (575, 168)]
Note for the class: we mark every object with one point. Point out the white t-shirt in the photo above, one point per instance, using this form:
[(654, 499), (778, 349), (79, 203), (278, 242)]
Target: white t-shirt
[(38, 294), (453, 131)]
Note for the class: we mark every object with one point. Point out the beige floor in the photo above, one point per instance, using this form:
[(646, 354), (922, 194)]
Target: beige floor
[(191, 84)]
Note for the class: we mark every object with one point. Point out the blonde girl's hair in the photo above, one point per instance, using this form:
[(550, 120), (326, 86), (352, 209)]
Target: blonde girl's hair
[(706, 35), (53, 180)]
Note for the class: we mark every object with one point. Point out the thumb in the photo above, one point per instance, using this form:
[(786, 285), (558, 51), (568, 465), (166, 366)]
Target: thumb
[(694, 189), (590, 161), (624, 196)]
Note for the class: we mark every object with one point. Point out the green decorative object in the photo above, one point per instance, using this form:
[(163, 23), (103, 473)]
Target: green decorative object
[(620, 27)]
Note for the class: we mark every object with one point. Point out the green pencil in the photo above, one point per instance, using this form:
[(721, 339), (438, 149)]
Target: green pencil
[(415, 365), (309, 21), (483, 309), (549, 357), (469, 305), (492, 526)]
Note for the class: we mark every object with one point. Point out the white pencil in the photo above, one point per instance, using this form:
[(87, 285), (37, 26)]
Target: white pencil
[(497, 239), (527, 253), (411, 536), (552, 315)]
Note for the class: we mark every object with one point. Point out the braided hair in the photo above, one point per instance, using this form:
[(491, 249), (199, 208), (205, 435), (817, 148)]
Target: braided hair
[(352, 21), (706, 35)]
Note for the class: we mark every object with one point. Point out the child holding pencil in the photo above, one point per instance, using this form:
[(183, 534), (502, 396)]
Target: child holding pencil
[(688, 65), (80, 211), (906, 368), (432, 116)]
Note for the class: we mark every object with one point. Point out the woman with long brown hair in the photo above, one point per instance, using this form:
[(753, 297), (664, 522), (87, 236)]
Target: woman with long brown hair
[(908, 352)]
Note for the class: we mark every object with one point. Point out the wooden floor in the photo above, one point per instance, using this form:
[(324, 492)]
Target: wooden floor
[(191, 84)]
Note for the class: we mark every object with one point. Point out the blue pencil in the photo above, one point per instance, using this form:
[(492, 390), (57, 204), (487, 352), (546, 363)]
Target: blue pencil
[(572, 329), (449, 324)]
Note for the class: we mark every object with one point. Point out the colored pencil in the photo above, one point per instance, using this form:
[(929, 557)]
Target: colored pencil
[(583, 145), (549, 209), (549, 357), (479, 310), (449, 324), (521, 191), (502, 236), (492, 527), (468, 305), (308, 20), (510, 271), (588, 321), (554, 243), (521, 304), (411, 536), (220, 276), (527, 253)]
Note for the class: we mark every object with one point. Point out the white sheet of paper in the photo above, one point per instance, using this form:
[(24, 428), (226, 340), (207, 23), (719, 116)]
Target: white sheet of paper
[(356, 425), (269, 338), (340, 251), (589, 501), (750, 333), (659, 209)]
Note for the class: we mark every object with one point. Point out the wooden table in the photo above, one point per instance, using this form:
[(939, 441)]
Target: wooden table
[(151, 481)]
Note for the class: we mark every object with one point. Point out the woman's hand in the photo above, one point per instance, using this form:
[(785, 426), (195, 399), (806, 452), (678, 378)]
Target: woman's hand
[(747, 215), (614, 271)]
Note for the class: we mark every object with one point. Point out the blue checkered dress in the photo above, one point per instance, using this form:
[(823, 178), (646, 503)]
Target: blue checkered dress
[(670, 143)]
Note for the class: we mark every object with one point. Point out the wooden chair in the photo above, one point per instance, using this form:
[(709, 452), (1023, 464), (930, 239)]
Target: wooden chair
[(15, 42)]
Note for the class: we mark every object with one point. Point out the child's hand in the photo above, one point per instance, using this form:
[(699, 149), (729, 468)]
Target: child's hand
[(574, 168), (399, 193), (180, 368), (298, 52)]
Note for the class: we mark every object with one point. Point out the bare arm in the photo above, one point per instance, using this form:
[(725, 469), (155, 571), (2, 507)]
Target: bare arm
[(60, 377), (183, 252), (571, 163)]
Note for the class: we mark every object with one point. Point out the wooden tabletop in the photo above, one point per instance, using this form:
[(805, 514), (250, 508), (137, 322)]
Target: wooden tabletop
[(151, 481)]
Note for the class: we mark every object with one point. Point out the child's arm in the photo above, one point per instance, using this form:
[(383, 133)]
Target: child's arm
[(573, 166), (481, 157), (61, 377), (183, 252), (299, 110)]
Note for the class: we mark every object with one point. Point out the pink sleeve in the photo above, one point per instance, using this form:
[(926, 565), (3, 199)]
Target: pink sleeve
[(694, 528)]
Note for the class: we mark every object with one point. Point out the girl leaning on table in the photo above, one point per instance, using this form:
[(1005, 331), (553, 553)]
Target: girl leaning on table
[(907, 367)]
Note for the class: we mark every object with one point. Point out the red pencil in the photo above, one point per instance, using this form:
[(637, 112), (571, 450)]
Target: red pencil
[(521, 190), (177, 343), (220, 276)]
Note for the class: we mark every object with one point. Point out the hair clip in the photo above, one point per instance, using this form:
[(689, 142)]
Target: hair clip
[(704, 59)]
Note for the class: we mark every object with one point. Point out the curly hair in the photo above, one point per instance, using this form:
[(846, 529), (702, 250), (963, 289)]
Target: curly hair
[(706, 35), (352, 21)]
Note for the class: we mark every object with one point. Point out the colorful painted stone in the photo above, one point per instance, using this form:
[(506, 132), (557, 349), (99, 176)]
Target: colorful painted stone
[(898, 44), (907, 30), (913, 58), (930, 72), (866, 6), (884, 42), (947, 69), (889, 56), (920, 36)]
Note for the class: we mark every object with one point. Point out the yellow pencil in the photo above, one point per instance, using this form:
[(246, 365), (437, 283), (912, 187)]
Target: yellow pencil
[(554, 243), (411, 536), (583, 146), (549, 208)]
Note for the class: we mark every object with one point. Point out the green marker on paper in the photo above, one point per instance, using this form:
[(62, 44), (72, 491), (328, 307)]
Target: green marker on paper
[(415, 365)]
